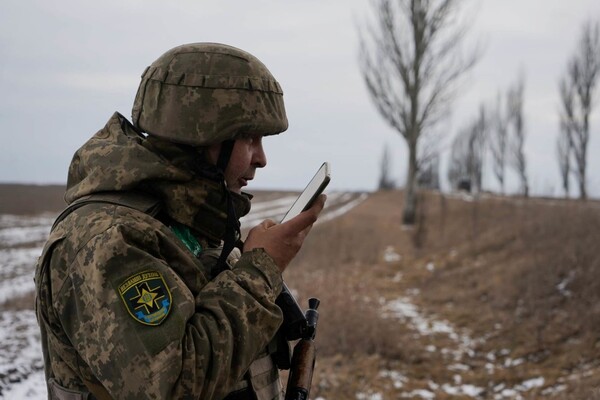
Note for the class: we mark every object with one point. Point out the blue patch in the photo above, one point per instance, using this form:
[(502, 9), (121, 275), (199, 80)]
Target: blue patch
[(146, 297)]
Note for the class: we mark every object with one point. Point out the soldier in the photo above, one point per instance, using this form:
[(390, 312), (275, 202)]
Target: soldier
[(144, 289)]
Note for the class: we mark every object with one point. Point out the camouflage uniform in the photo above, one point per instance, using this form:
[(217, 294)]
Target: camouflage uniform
[(128, 309)]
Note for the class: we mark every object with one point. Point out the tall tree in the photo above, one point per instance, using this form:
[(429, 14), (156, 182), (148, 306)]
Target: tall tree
[(498, 141), (563, 154), (576, 92), (467, 154), (411, 61), (458, 163), (385, 180), (477, 142), (429, 173), (517, 133)]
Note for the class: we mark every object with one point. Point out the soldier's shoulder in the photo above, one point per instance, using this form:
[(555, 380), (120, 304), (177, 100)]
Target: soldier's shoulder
[(96, 219)]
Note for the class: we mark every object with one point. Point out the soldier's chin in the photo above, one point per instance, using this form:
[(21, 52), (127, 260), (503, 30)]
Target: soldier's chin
[(235, 188), (238, 185)]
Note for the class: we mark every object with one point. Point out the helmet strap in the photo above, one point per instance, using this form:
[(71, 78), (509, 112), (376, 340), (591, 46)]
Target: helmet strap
[(232, 233), (232, 227), (225, 154)]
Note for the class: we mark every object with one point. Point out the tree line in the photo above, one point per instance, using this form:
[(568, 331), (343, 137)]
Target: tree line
[(412, 60)]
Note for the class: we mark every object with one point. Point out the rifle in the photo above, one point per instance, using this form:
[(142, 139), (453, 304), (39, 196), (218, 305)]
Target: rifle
[(303, 326)]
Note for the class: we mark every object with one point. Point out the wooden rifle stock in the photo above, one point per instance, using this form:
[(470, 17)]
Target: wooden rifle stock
[(303, 359), (303, 365)]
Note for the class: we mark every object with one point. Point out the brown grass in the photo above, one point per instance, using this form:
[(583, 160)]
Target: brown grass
[(25, 302), (498, 266), (30, 199)]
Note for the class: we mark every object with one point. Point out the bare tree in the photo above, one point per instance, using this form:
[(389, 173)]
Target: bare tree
[(477, 143), (498, 141), (411, 62), (385, 180), (429, 173), (467, 155), (458, 168), (576, 92), (428, 160), (517, 129), (563, 154)]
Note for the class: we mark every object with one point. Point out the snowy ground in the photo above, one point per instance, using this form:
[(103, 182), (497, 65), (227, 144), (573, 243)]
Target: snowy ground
[(457, 356), (21, 241), (21, 366), (457, 351)]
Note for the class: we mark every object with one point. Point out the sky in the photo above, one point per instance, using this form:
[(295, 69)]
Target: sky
[(67, 65)]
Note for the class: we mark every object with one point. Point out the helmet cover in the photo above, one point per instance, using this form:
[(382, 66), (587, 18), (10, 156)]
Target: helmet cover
[(199, 94)]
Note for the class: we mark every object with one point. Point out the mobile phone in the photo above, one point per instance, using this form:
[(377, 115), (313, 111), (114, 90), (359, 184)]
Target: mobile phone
[(308, 196)]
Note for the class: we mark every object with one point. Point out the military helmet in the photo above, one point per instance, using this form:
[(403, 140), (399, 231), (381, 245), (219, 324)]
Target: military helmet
[(199, 94)]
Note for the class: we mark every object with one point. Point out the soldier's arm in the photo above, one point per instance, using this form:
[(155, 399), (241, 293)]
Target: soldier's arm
[(199, 349)]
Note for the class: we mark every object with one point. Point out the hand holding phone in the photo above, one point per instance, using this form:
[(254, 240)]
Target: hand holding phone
[(310, 193), (283, 241)]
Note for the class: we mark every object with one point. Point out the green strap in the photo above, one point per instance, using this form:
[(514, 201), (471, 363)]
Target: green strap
[(185, 235)]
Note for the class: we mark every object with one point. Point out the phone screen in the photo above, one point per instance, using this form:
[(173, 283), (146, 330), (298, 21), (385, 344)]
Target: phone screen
[(314, 188)]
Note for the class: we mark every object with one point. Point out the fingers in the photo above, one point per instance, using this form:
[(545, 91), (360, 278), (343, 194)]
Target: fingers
[(306, 218), (267, 223), (283, 241)]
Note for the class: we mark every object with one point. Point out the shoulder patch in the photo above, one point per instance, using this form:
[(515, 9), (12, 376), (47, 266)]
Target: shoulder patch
[(147, 297)]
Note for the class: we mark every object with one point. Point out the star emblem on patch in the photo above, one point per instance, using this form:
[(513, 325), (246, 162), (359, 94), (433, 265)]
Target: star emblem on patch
[(146, 297)]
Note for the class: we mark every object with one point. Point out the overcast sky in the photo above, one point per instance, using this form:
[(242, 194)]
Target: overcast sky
[(67, 65)]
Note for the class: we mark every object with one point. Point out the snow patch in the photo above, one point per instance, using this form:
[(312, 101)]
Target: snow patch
[(16, 288), (562, 286), (421, 393), (369, 396), (403, 309), (398, 379), (17, 261), (21, 360), (390, 255), (462, 390), (530, 384), (14, 236), (276, 209), (343, 209)]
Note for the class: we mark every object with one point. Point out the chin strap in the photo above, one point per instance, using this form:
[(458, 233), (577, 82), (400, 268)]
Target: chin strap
[(232, 233), (225, 154), (232, 227)]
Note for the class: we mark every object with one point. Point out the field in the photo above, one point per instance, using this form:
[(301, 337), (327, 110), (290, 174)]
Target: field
[(491, 298), (487, 298)]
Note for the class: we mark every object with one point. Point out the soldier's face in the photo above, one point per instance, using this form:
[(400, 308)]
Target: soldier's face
[(247, 155)]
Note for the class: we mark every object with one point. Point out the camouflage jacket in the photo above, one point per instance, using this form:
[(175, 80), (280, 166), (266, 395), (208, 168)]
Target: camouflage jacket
[(125, 309)]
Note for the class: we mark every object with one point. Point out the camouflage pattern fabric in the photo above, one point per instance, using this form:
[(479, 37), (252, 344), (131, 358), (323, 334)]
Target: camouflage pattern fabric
[(204, 93), (126, 310), (118, 158)]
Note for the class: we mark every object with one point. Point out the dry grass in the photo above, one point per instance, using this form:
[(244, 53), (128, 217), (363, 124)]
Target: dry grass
[(524, 274), (20, 303), (30, 199), (533, 264), (339, 264)]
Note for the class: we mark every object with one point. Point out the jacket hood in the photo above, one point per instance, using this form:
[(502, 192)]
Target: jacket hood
[(119, 158)]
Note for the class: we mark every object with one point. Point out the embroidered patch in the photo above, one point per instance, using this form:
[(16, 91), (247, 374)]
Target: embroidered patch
[(146, 297)]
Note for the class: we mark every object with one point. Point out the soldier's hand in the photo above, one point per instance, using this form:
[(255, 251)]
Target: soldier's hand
[(283, 241)]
